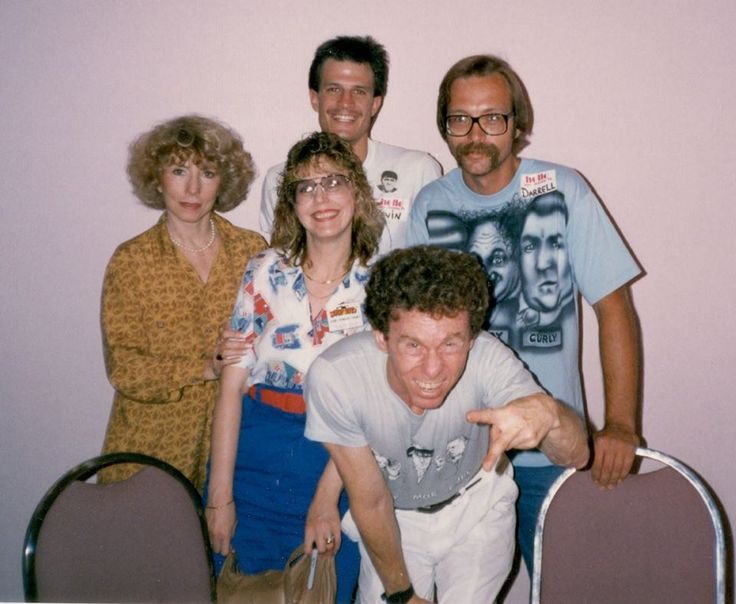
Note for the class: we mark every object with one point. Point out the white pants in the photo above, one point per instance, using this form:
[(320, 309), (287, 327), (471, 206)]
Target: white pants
[(465, 549)]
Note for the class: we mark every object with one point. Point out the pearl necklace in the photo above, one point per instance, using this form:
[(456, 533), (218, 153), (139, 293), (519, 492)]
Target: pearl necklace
[(196, 250)]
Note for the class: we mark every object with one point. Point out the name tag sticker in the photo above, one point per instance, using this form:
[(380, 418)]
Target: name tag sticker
[(394, 208), (347, 316), (539, 183)]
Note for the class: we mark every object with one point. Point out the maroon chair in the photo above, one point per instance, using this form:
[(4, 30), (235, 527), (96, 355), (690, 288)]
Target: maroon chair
[(143, 539), (658, 537)]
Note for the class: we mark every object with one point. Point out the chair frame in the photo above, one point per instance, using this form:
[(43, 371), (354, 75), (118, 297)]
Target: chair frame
[(83, 472), (664, 459)]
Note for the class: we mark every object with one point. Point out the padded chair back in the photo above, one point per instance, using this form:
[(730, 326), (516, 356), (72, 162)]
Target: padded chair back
[(657, 537), (143, 539)]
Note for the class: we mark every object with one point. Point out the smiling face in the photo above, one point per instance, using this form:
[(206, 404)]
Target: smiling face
[(487, 162), (345, 103), (426, 356), (189, 190), (325, 216)]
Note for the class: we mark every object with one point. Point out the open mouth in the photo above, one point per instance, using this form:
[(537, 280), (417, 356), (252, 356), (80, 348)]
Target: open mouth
[(325, 215), (344, 117), (429, 387)]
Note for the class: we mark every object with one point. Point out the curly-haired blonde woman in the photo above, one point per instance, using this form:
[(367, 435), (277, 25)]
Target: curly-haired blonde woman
[(168, 291), (296, 300)]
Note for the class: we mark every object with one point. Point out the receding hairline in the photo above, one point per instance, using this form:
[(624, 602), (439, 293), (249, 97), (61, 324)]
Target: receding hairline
[(481, 76)]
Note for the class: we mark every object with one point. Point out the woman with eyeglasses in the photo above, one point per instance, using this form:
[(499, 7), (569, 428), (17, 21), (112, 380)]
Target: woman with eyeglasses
[(295, 300)]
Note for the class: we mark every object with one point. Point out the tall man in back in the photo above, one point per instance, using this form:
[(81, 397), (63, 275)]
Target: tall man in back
[(544, 219), (348, 79)]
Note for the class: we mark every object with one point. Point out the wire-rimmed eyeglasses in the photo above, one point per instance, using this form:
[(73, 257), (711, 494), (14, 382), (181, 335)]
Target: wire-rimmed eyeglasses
[(332, 184)]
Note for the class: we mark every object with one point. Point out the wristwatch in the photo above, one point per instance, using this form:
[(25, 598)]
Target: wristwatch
[(399, 597)]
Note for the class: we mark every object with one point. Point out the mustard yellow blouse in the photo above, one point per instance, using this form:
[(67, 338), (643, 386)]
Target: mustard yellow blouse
[(160, 323)]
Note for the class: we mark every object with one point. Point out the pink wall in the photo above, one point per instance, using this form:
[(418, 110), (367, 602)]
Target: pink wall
[(639, 96)]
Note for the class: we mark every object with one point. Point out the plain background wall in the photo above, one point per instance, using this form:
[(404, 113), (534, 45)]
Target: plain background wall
[(639, 96)]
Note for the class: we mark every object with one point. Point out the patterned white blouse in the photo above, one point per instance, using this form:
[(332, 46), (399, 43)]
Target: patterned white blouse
[(273, 311)]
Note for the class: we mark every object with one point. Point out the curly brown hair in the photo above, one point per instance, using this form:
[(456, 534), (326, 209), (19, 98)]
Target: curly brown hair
[(432, 280), (204, 141), (288, 233)]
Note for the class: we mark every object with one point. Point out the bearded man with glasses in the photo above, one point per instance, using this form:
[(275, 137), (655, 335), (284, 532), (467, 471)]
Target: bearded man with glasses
[(485, 116)]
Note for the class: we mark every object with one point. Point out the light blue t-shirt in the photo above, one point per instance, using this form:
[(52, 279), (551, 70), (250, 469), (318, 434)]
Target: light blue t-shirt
[(542, 239)]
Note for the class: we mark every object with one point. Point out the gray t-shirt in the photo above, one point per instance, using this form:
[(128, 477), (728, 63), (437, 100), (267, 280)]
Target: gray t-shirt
[(426, 458)]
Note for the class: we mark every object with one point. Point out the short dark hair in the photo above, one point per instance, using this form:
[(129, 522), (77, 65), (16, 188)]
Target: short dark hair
[(201, 139), (358, 49), (484, 65), (368, 221), (546, 204), (428, 279)]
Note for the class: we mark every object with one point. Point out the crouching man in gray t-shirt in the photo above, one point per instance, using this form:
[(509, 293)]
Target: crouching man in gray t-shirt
[(405, 413)]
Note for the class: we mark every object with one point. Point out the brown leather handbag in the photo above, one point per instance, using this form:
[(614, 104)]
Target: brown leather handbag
[(287, 586)]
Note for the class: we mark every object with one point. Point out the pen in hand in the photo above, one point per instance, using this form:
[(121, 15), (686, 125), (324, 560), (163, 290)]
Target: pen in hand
[(312, 568)]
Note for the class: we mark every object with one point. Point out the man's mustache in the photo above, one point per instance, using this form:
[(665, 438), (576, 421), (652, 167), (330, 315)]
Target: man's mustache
[(476, 147)]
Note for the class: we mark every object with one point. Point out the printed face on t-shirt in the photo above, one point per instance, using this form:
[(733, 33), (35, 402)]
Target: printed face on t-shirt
[(495, 252), (544, 264)]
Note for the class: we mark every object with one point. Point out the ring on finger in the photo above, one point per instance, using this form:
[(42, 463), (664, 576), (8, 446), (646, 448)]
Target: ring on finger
[(330, 540)]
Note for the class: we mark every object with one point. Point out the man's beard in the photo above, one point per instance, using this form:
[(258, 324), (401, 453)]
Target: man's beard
[(491, 151)]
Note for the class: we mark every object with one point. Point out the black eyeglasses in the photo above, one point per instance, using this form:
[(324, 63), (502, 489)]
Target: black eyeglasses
[(332, 184), (492, 124)]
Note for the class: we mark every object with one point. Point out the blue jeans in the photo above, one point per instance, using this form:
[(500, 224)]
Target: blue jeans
[(534, 483), (276, 472)]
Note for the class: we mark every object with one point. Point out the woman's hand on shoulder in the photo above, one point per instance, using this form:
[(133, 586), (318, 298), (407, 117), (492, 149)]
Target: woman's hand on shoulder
[(229, 349)]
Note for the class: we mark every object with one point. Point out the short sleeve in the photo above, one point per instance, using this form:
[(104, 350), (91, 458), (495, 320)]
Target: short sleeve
[(331, 413)]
